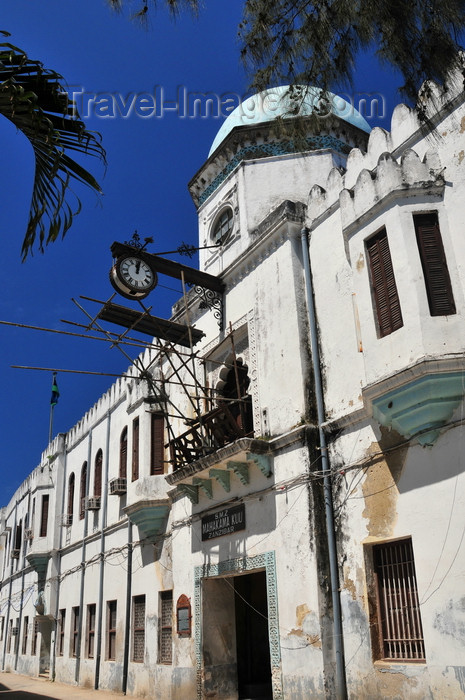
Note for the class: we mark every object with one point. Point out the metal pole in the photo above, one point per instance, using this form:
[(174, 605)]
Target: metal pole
[(103, 524), (341, 687)]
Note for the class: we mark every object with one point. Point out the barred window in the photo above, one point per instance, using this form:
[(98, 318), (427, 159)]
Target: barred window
[(25, 633), (61, 631), (90, 630), (111, 630), (75, 631), (138, 628), (35, 632), (10, 634), (399, 629), (165, 628)]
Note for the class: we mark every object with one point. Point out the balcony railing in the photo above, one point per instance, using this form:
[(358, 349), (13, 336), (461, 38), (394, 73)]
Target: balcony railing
[(222, 425)]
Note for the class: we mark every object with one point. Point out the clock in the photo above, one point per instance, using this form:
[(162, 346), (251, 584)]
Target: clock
[(132, 276)]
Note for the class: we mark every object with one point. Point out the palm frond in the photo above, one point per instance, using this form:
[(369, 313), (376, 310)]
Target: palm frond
[(35, 101)]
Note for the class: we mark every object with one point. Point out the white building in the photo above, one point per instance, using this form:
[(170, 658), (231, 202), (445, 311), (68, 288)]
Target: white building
[(274, 509)]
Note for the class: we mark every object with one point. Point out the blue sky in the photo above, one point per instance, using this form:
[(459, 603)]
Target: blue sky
[(150, 162)]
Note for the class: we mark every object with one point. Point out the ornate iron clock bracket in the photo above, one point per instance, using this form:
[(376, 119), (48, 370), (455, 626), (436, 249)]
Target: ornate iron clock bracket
[(211, 300)]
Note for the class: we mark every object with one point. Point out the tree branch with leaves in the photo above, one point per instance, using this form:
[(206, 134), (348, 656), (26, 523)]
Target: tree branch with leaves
[(35, 101)]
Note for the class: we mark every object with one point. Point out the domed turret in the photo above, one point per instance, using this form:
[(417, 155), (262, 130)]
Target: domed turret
[(286, 103)]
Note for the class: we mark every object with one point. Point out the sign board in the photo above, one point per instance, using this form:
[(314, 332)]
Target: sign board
[(224, 522)]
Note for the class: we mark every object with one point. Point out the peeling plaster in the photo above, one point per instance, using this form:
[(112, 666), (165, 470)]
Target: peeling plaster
[(380, 493)]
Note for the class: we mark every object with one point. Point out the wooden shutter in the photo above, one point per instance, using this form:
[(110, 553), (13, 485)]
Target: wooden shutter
[(44, 517), (135, 449), (384, 284), (157, 464), (71, 497), (98, 474), (434, 264), (123, 454), (82, 493)]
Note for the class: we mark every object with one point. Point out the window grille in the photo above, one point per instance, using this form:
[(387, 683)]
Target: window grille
[(90, 630), (400, 628), (35, 632), (75, 631), (61, 632), (25, 634), (111, 634), (138, 649), (166, 627)]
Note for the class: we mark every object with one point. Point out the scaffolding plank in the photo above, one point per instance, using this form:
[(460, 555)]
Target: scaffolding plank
[(149, 325)]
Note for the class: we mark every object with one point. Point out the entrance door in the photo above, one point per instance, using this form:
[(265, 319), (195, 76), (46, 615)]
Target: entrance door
[(252, 640)]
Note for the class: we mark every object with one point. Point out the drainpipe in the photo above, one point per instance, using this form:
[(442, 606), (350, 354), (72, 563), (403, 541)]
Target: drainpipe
[(128, 611), (341, 687), (83, 559), (98, 651), (60, 545)]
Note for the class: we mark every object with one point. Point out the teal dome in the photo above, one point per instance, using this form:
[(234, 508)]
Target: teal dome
[(276, 102)]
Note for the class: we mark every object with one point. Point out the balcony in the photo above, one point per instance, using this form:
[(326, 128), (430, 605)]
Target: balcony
[(221, 426)]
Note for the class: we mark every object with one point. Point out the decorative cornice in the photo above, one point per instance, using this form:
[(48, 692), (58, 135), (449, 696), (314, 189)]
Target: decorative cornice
[(258, 141)]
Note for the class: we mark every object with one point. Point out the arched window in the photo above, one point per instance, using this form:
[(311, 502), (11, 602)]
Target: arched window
[(70, 498), (222, 226), (240, 402), (98, 474), (135, 449), (82, 492), (123, 454), (183, 616)]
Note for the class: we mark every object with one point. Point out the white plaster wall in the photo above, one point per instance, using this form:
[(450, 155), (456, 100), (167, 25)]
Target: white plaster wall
[(255, 188), (419, 495)]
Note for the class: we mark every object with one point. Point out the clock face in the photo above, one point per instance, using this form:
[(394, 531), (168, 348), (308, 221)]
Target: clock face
[(136, 273), (133, 277)]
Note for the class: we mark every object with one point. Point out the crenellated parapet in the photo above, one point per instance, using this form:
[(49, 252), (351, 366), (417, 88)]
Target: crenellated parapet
[(390, 179)]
